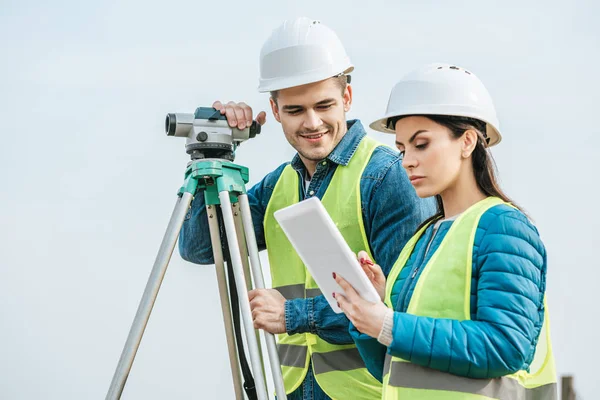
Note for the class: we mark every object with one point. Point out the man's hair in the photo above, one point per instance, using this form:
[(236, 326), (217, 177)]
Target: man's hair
[(340, 80)]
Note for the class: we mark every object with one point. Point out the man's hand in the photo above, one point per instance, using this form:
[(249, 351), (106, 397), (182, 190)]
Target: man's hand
[(239, 114), (268, 310)]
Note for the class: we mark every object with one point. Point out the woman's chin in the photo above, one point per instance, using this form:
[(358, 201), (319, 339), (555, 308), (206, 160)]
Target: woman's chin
[(424, 192)]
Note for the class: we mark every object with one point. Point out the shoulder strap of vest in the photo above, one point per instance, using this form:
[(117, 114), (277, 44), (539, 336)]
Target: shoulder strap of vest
[(287, 179)]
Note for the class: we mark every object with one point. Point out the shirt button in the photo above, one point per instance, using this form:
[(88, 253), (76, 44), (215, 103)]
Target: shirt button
[(324, 163), (312, 192)]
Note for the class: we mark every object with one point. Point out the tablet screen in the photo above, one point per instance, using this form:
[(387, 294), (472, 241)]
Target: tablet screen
[(323, 250)]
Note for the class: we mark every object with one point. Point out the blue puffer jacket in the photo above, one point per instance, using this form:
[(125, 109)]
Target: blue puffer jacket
[(507, 310)]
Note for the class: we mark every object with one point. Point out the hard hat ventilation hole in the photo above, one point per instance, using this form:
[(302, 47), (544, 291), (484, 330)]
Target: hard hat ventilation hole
[(440, 67), (467, 72), (456, 68)]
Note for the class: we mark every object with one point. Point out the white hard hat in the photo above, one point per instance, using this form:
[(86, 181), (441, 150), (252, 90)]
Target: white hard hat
[(441, 89), (301, 51)]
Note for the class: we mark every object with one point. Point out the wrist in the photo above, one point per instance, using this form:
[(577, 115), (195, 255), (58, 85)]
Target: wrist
[(385, 335), (297, 316)]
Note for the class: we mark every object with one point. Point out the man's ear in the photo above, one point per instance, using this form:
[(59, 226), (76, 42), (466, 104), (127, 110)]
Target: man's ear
[(275, 109), (347, 98)]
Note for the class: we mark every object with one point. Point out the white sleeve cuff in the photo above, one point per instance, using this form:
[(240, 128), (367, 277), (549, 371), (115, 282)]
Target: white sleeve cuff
[(385, 336)]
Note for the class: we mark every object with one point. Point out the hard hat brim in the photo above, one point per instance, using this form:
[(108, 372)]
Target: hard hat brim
[(380, 125), (270, 85)]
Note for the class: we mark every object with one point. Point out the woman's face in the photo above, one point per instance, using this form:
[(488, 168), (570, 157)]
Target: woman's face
[(432, 156)]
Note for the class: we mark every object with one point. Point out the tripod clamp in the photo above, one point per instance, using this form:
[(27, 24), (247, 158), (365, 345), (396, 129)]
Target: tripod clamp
[(215, 176)]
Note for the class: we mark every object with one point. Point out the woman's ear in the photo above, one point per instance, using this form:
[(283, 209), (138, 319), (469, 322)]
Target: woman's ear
[(469, 142)]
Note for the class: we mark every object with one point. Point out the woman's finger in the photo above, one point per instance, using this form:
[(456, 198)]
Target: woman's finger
[(342, 302), (348, 289), (367, 263), (375, 269), (363, 256), (367, 271)]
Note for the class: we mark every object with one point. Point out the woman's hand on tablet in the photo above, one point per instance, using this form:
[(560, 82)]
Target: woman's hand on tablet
[(367, 317), (374, 273)]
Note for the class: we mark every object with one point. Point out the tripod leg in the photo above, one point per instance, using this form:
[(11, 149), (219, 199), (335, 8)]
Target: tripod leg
[(149, 297), (242, 294), (260, 284), (215, 238), (239, 229)]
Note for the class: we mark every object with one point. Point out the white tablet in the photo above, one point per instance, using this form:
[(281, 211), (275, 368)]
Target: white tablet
[(323, 250)]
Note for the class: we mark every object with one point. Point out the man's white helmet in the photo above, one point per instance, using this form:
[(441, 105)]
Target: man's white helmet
[(301, 51), (441, 89)]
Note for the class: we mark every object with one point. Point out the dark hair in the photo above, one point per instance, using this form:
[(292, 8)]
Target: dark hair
[(341, 81), (483, 163)]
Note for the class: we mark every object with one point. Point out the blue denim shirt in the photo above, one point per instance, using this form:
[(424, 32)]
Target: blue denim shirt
[(391, 212)]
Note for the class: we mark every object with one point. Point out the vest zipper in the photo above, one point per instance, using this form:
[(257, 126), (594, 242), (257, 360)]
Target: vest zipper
[(410, 280), (415, 273), (404, 292)]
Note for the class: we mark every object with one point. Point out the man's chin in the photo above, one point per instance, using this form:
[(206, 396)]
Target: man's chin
[(316, 157)]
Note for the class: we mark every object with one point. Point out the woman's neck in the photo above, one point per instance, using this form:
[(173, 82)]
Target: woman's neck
[(461, 195)]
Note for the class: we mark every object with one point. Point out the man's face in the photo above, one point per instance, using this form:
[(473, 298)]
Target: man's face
[(313, 117)]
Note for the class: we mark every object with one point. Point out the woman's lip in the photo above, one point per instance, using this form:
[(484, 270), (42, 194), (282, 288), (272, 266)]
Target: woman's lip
[(415, 179)]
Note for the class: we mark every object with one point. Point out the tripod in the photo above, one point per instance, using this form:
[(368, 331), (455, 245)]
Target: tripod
[(224, 189)]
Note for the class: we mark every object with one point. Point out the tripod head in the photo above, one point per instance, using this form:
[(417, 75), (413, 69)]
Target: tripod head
[(208, 133)]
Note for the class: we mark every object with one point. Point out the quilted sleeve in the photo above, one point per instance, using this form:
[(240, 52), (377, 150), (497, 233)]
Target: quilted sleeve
[(510, 270)]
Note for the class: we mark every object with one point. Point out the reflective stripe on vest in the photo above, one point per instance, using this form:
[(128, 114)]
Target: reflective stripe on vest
[(450, 267), (339, 369), (298, 291), (337, 360), (411, 376)]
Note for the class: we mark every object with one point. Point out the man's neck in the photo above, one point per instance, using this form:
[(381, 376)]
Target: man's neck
[(310, 165)]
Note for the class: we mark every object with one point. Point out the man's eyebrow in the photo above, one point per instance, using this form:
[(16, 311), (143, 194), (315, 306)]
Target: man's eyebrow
[(325, 101), (292, 107)]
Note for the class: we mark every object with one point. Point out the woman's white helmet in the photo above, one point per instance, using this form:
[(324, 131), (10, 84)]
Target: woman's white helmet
[(441, 89), (301, 51)]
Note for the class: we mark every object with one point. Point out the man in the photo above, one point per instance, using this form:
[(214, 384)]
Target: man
[(361, 184)]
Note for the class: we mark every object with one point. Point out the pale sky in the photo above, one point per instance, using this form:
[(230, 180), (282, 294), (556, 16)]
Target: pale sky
[(89, 178)]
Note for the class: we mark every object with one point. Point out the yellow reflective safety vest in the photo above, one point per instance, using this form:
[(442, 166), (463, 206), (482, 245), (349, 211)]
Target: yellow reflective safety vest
[(450, 267), (338, 369)]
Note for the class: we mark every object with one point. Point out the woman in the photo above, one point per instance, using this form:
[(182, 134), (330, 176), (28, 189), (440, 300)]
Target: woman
[(463, 313)]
